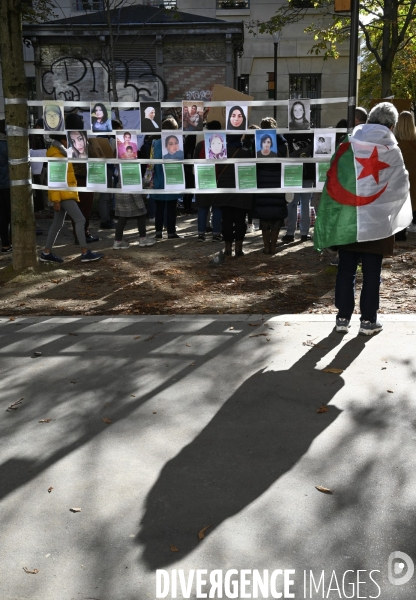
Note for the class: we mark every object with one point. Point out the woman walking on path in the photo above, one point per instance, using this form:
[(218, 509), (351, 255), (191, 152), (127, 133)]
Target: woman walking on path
[(65, 202), (129, 206)]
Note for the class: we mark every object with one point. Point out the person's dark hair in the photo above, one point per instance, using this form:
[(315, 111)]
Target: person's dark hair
[(58, 137), (265, 137), (321, 139), (361, 115), (129, 148), (116, 124), (126, 133), (74, 121), (168, 138), (39, 123), (266, 123), (341, 124), (103, 108), (243, 124), (304, 119), (170, 123), (213, 125), (194, 106)]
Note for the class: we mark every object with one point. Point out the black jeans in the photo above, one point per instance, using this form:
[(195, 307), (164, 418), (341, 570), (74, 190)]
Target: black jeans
[(5, 216), (233, 223), (170, 206), (345, 284), (121, 223)]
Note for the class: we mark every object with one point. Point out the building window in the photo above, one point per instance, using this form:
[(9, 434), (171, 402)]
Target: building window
[(87, 5), (232, 4), (307, 86), (243, 84), (160, 3)]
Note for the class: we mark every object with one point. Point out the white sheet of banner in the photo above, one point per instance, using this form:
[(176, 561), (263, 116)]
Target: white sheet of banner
[(37, 166)]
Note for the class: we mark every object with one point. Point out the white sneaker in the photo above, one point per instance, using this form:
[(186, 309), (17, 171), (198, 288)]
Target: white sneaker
[(120, 245), (412, 228), (146, 241)]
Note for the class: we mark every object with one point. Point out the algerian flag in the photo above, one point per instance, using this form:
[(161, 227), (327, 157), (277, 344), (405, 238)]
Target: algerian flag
[(366, 194)]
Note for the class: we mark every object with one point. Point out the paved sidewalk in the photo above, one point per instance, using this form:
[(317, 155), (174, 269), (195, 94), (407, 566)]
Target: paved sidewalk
[(213, 423)]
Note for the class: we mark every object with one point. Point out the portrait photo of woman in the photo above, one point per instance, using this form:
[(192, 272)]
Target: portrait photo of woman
[(215, 146), (173, 146), (237, 118), (265, 144), (77, 144), (299, 114), (100, 117), (151, 116), (53, 119)]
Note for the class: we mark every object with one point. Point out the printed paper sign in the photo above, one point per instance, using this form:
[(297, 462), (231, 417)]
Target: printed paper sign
[(131, 177), (205, 177), (97, 175), (324, 143), (37, 166), (246, 176), (321, 171), (57, 174), (292, 175), (174, 176)]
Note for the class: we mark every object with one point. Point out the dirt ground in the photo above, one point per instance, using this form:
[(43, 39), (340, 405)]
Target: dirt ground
[(174, 277)]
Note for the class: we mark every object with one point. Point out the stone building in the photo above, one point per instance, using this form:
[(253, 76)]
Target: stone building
[(159, 54)]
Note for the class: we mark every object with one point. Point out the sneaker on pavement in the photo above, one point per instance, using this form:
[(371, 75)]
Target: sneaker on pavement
[(158, 235), (217, 238), (287, 239), (146, 241), (108, 225), (120, 245), (334, 262), (369, 328), (342, 325), (174, 236), (8, 250), (50, 258), (91, 256), (201, 237), (305, 238)]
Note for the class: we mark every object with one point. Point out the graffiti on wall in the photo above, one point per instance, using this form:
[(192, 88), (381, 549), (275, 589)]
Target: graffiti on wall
[(73, 78), (199, 95)]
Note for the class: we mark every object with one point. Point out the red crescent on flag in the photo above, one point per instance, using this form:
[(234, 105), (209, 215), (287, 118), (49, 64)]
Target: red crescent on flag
[(338, 192)]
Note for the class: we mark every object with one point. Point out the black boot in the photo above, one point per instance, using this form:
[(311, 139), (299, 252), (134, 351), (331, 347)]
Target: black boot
[(266, 241), (274, 237), (239, 248), (228, 248)]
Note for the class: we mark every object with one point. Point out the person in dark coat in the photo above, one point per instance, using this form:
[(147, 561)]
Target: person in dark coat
[(234, 206), (270, 208)]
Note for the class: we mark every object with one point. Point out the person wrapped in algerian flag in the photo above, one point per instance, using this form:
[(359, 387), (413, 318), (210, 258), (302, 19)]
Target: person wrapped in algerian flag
[(366, 194), (365, 201)]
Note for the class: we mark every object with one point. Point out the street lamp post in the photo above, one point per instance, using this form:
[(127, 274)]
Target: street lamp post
[(276, 38)]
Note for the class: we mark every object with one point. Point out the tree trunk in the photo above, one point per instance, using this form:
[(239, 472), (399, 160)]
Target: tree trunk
[(386, 77), (14, 87)]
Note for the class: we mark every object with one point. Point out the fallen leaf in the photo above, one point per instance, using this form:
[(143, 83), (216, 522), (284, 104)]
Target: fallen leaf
[(333, 370), (75, 510), (192, 365), (174, 548), (201, 534), (15, 405), (12, 319), (255, 324), (383, 368), (258, 334), (71, 333), (390, 391), (37, 353), (322, 409), (231, 328), (324, 490), (33, 572), (132, 395), (189, 345), (50, 489), (149, 338), (45, 421), (56, 280), (107, 420), (137, 337)]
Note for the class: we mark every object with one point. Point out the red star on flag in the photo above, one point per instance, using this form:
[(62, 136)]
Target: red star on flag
[(372, 166)]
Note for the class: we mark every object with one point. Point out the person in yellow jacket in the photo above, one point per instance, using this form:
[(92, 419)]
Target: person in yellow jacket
[(65, 201)]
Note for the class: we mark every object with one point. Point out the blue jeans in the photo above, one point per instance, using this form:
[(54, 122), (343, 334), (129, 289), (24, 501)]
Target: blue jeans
[(345, 284), (216, 219), (292, 211)]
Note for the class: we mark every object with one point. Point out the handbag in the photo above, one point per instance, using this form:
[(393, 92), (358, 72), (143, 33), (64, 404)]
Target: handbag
[(149, 174)]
